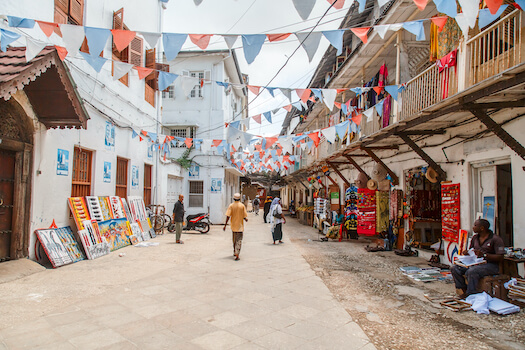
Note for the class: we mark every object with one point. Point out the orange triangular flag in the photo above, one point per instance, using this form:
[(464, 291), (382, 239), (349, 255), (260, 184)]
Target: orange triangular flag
[(378, 89), (312, 98), (494, 5), (270, 141), (61, 51), (144, 132), (421, 4), (122, 38), (201, 40), (338, 4), (257, 118), (341, 90), (357, 119), (143, 71), (304, 94), (361, 33), (216, 143), (337, 104), (261, 154), (288, 108), (314, 136), (440, 22), (279, 151), (47, 27), (140, 139), (277, 37), (258, 147), (188, 142), (254, 89)]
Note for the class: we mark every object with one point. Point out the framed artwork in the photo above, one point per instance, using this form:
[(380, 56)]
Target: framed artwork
[(107, 172), (116, 233), (60, 246), (216, 185), (109, 140), (134, 176), (94, 244), (194, 170), (489, 203), (62, 162)]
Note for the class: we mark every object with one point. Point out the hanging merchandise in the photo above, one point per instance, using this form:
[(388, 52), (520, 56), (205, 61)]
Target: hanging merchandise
[(450, 212), (382, 211), (366, 219), (351, 212)]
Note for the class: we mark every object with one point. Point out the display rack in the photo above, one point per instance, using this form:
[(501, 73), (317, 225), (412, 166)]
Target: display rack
[(450, 212)]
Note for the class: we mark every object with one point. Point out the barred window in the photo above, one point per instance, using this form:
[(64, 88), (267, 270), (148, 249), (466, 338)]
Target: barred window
[(169, 92), (147, 184), (196, 199), (197, 90), (121, 187), (81, 182), (185, 132)]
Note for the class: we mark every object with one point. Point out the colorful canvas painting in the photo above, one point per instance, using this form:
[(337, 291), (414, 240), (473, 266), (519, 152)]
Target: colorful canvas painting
[(94, 244), (116, 207), (79, 209), (95, 211), (126, 209), (144, 226), (116, 233), (136, 233), (60, 246), (70, 243), (104, 207), (62, 162)]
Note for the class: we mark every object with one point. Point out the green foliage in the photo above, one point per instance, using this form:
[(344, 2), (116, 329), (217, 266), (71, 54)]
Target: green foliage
[(185, 161)]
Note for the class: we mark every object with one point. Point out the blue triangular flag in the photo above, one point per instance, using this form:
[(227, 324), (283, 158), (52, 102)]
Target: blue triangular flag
[(263, 143), (96, 39), (448, 7), (20, 22), (344, 108), (274, 154), (7, 38), (172, 44), (485, 17), (393, 90), (133, 134), (270, 90), (521, 3), (235, 124), (353, 127), (318, 93), (309, 144), (335, 37), (252, 45), (153, 136), (94, 61), (416, 28), (379, 107), (357, 90), (362, 4), (341, 129), (165, 80), (220, 148), (268, 116)]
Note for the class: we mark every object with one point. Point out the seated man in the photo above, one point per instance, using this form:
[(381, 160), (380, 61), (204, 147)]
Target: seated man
[(487, 245)]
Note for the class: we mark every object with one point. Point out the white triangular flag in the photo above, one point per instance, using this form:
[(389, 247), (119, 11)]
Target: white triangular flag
[(304, 7), (329, 133), (329, 96), (309, 42), (151, 38), (33, 48), (382, 3), (287, 93), (230, 40), (188, 83), (382, 29), (206, 145), (470, 10), (73, 36), (369, 113), (462, 23), (120, 69)]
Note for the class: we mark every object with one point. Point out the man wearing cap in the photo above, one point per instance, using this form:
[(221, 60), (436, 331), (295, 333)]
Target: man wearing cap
[(237, 212)]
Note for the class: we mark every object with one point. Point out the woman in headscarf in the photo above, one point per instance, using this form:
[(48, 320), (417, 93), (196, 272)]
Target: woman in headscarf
[(267, 204), (276, 218)]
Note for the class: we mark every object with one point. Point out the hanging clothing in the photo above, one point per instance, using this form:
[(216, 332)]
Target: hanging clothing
[(434, 42), (444, 64)]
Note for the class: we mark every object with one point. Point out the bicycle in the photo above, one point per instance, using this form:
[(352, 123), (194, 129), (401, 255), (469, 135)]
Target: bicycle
[(159, 219)]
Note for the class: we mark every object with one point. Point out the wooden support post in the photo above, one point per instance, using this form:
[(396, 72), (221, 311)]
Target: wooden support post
[(442, 174), (499, 132), (354, 163), (332, 180), (339, 173), (395, 179)]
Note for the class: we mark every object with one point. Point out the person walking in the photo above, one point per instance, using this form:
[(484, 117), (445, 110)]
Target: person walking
[(276, 218), (238, 214), (256, 203), (178, 218), (267, 205)]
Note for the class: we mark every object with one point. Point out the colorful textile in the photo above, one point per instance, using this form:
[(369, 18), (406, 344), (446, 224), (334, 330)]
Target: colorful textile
[(382, 213), (237, 242)]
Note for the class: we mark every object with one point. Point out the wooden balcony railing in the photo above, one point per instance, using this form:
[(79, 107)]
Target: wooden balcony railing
[(426, 89), (495, 49)]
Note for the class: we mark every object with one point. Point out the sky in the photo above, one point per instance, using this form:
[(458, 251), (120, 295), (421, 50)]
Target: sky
[(258, 17)]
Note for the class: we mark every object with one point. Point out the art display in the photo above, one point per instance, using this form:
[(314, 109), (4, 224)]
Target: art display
[(107, 172), (60, 246), (145, 227), (366, 205), (382, 211), (116, 207), (104, 207), (126, 208), (116, 233), (79, 209), (450, 213), (136, 233), (109, 140), (62, 162), (137, 208), (151, 229), (95, 211), (216, 185), (134, 176), (94, 243)]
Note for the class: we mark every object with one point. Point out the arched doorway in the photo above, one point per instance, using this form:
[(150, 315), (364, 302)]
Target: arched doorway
[(16, 145)]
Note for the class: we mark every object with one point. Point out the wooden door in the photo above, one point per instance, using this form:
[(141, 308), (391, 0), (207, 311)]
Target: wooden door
[(7, 182)]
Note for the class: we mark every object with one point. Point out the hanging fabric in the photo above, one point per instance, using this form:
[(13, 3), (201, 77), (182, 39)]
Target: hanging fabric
[(444, 64)]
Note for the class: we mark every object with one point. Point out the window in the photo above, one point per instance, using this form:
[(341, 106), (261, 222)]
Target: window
[(197, 90), (69, 11), (81, 182), (147, 184), (196, 194), (133, 53), (184, 132), (169, 92), (122, 178)]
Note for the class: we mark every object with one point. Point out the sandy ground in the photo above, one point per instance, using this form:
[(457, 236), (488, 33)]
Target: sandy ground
[(391, 308)]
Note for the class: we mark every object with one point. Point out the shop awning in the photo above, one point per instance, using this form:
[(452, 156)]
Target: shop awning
[(48, 85)]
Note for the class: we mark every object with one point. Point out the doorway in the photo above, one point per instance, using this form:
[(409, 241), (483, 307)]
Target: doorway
[(493, 198), (7, 190)]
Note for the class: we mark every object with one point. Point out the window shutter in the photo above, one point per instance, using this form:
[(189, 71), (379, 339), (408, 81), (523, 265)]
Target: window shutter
[(62, 5), (163, 68), (207, 77), (135, 51), (150, 59), (118, 19), (76, 10), (60, 17)]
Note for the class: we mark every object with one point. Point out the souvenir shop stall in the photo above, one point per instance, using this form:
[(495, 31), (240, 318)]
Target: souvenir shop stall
[(103, 225)]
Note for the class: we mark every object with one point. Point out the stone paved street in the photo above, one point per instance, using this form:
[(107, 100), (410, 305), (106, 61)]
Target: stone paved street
[(190, 296)]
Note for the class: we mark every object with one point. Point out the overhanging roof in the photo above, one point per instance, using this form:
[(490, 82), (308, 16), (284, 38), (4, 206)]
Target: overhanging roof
[(48, 85)]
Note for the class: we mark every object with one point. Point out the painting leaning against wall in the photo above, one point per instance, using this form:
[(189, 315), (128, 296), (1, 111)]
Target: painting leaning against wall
[(116, 232)]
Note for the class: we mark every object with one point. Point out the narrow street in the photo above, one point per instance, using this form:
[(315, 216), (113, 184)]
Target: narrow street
[(190, 296)]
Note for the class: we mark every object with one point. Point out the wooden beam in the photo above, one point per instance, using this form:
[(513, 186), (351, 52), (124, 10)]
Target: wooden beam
[(499, 132), (442, 174), (496, 105), (497, 87), (339, 173), (332, 180), (354, 163), (425, 132), (395, 179)]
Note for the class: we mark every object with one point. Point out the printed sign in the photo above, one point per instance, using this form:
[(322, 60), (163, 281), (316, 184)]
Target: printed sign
[(134, 176), (216, 185), (109, 140), (107, 172), (62, 162), (194, 171)]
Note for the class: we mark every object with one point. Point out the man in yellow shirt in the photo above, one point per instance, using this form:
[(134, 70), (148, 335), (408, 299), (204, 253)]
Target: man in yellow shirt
[(237, 212)]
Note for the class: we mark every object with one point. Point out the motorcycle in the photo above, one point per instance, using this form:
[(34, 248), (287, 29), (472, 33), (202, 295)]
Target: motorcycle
[(198, 222)]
